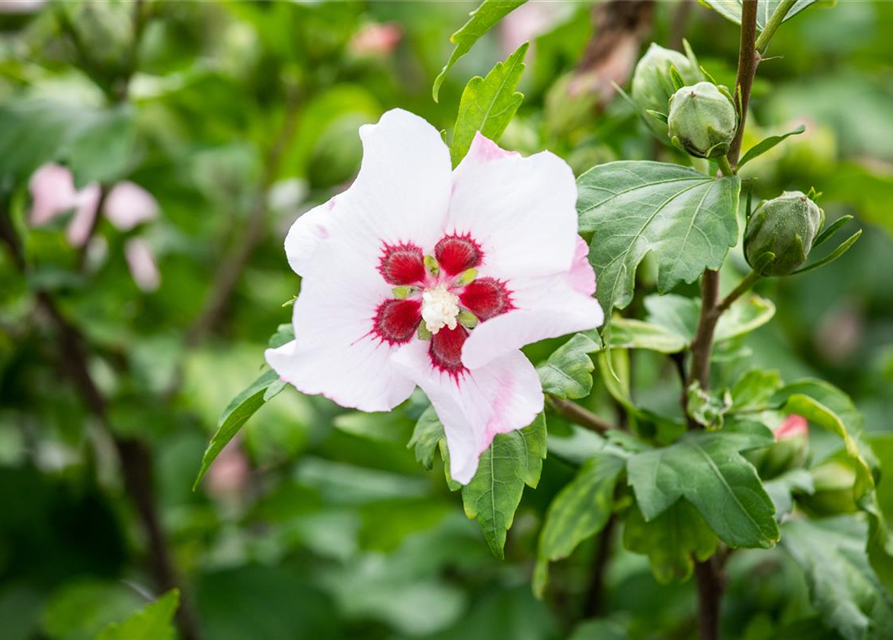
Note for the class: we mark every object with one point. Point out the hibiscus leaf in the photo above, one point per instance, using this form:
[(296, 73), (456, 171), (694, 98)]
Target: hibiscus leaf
[(768, 143), (671, 541), (579, 511), (482, 19), (237, 414), (707, 469), (842, 585), (637, 334), (426, 436), (685, 219), (568, 371), (731, 9), (831, 409), (513, 460), (488, 104), (155, 622), (679, 315)]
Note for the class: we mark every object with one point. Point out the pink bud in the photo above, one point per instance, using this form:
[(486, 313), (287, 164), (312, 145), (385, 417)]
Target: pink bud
[(794, 426), (128, 205), (376, 39), (142, 264), (52, 193)]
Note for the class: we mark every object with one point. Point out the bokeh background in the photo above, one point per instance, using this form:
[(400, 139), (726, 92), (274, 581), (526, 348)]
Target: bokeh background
[(222, 122)]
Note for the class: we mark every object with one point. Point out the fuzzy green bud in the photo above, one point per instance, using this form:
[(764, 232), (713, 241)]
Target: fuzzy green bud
[(703, 120), (785, 226), (652, 85)]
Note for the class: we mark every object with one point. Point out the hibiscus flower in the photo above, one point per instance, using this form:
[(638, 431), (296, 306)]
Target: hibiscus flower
[(421, 275)]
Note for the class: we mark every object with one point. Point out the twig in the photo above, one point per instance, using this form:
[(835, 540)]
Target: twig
[(703, 340), (710, 584), (579, 415)]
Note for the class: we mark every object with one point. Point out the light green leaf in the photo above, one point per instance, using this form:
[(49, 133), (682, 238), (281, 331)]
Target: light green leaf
[(568, 371), (627, 333), (842, 585), (579, 511), (155, 622), (745, 315), (513, 460), (488, 104), (731, 9), (768, 143), (484, 18), (285, 333), (671, 540), (754, 389), (782, 488), (706, 469), (680, 315), (685, 219), (103, 148), (831, 409), (841, 249), (425, 438), (234, 416)]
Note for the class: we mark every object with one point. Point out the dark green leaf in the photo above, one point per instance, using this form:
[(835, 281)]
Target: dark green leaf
[(671, 541), (488, 104), (579, 511), (513, 460), (484, 18), (707, 469), (568, 371), (155, 622), (842, 585), (782, 489), (599, 630), (236, 414), (768, 143), (686, 220)]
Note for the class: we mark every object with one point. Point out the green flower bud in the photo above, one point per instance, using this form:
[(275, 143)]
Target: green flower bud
[(834, 481), (785, 226), (652, 85), (703, 120)]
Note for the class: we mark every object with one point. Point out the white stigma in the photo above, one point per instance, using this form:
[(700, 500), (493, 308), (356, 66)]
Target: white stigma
[(440, 308)]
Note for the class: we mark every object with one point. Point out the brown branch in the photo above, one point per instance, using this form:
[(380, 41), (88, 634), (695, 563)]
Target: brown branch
[(136, 461), (703, 341), (710, 581), (579, 415), (231, 268), (748, 59)]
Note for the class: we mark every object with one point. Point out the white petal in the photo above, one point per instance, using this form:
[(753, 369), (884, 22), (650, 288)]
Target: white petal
[(502, 396), (545, 307), (335, 353), (521, 210), (52, 193), (142, 265), (128, 205), (307, 233), (86, 202)]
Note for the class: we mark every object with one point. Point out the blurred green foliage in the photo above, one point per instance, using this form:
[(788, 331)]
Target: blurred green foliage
[(317, 523)]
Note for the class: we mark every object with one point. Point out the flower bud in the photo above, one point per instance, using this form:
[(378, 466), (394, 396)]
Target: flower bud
[(833, 481), (790, 450), (785, 226), (652, 85), (703, 120)]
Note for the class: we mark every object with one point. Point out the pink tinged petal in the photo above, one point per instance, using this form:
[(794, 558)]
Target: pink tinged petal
[(86, 202), (582, 275), (142, 265), (522, 211), (546, 307), (128, 205), (305, 236), (52, 193), (503, 396), (794, 426)]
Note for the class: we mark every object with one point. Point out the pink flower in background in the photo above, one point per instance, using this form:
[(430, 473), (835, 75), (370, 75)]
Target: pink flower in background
[(421, 275), (127, 205), (794, 426), (376, 39)]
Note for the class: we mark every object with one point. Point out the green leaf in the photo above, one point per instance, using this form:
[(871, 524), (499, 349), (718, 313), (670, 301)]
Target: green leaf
[(425, 438), (842, 585), (599, 630), (685, 219), (285, 333), (830, 230), (513, 460), (768, 143), (831, 409), (841, 249), (488, 104), (635, 334), (679, 315), (484, 18), (103, 149), (579, 511), (568, 371), (754, 389), (707, 469), (782, 489), (731, 9), (235, 415), (745, 315), (155, 622), (671, 540)]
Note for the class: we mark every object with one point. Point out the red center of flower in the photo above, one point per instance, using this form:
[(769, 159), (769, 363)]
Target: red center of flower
[(447, 275)]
